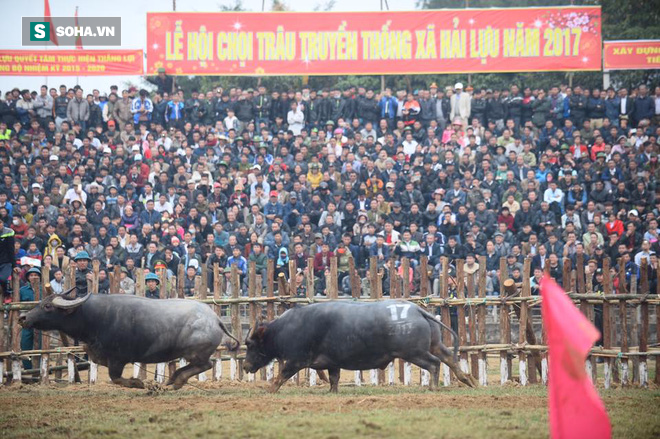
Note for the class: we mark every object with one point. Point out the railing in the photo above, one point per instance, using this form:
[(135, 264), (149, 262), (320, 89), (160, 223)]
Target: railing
[(625, 319)]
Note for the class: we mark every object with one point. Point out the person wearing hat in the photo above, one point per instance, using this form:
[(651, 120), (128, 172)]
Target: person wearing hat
[(126, 284), (29, 292), (152, 281), (460, 104), (83, 272), (164, 82)]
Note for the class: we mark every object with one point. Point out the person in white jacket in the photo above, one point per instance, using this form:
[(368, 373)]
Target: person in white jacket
[(296, 118), (460, 104)]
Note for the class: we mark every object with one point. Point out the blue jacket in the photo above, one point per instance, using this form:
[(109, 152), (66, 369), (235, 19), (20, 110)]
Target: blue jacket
[(240, 262), (388, 107), (270, 209), (373, 250), (174, 111), (149, 217), (136, 106), (612, 108)]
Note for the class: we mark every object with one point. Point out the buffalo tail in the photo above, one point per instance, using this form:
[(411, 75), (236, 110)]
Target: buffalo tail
[(232, 347), (451, 331)]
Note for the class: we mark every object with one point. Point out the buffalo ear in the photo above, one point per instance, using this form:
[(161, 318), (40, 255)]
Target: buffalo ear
[(259, 333)]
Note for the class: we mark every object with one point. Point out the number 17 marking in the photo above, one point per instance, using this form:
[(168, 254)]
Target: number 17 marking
[(394, 310)]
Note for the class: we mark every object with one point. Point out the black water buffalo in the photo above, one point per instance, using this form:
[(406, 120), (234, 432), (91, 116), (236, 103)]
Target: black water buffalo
[(119, 329), (353, 336)]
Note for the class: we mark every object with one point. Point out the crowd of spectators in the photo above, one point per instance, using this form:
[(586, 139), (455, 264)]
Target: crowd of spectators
[(142, 179)]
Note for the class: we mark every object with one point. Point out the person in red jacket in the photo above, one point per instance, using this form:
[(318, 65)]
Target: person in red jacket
[(578, 149), (614, 225), (598, 146), (322, 267)]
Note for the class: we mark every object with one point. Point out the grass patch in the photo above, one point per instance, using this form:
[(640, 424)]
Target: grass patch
[(247, 411)]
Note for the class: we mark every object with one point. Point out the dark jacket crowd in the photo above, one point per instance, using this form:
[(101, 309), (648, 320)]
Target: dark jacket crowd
[(158, 179)]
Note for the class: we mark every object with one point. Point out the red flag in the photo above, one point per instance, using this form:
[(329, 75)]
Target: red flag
[(576, 410), (47, 17), (78, 38)]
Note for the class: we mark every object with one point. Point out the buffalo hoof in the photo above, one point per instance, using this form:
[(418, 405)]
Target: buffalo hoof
[(273, 389), (176, 385), (135, 383), (472, 381)]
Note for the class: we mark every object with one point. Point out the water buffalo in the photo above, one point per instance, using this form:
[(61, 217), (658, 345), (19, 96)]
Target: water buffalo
[(119, 329), (354, 336)]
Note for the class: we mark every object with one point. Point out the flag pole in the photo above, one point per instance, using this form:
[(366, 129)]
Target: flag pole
[(78, 47)]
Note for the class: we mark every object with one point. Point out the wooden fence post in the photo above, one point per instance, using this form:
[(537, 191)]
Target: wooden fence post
[(236, 315), (162, 286), (181, 280), (472, 323), (507, 286), (115, 279), (405, 274), (373, 273), (634, 327), (644, 326), (525, 292), (483, 369), (16, 365), (354, 278), (138, 370), (333, 286), (44, 362), (460, 294), (254, 306), (566, 275), (607, 322), (424, 276), (218, 279), (293, 284), (444, 315), (309, 278), (623, 318), (204, 287), (394, 279), (268, 372), (96, 266), (506, 371)]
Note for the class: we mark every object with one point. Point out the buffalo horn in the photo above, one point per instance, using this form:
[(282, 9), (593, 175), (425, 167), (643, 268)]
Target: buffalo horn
[(61, 302)]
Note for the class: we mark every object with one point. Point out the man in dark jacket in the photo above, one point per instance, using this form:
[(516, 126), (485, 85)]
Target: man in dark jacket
[(244, 109), (513, 104), (164, 83), (337, 105), (495, 110), (83, 272), (643, 106), (368, 109), (578, 105), (427, 108), (350, 105), (262, 104), (478, 107), (7, 258), (596, 109)]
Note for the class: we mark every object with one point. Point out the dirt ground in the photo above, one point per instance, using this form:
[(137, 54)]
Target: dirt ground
[(246, 410)]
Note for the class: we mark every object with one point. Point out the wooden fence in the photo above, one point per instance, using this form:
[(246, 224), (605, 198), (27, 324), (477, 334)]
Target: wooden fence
[(506, 329)]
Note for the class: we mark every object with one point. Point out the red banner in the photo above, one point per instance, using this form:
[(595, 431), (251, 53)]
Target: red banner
[(71, 62), (334, 43), (631, 55)]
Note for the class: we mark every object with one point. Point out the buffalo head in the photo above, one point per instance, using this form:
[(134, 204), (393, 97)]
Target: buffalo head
[(52, 312), (257, 355)]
